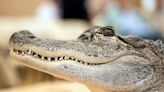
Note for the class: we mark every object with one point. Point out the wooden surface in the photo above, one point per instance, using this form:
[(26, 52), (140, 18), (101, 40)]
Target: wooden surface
[(50, 87), (18, 7)]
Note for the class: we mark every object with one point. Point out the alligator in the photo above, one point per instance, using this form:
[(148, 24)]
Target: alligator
[(99, 58)]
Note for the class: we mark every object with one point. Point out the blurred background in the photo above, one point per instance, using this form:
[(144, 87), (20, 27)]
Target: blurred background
[(66, 20)]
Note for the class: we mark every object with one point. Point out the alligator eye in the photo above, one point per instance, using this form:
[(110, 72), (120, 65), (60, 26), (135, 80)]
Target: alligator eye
[(90, 34), (83, 37), (86, 36), (106, 31)]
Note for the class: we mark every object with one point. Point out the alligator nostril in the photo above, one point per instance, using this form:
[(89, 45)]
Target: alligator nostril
[(31, 36)]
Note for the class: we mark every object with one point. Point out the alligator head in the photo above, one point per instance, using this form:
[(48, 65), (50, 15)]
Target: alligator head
[(100, 59)]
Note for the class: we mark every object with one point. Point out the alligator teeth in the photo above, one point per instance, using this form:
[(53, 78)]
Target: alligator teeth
[(25, 52), (17, 52), (42, 58), (56, 58), (61, 58), (66, 58), (72, 58), (93, 64), (22, 53), (49, 58), (85, 63), (29, 52), (35, 55), (76, 60)]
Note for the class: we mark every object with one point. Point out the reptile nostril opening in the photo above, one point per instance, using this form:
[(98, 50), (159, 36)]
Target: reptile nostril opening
[(31, 36)]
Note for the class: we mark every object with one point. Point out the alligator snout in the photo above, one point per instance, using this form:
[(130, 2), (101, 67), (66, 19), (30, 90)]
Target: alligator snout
[(23, 33), (21, 36)]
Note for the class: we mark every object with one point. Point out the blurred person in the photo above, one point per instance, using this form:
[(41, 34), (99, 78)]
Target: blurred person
[(157, 17), (148, 5), (48, 10), (128, 21), (160, 6), (96, 9)]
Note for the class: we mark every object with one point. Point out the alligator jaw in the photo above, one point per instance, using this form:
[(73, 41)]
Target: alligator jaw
[(63, 55), (35, 55)]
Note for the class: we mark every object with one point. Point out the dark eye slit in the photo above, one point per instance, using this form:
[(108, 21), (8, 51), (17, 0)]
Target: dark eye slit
[(120, 38)]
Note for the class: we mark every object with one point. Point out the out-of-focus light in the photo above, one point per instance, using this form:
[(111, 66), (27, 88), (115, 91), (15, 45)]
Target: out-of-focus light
[(149, 5), (47, 12)]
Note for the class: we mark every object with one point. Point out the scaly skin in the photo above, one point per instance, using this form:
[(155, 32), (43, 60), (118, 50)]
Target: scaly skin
[(100, 59)]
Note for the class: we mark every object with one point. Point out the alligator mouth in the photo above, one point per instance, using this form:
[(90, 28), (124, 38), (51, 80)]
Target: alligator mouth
[(35, 55), (56, 58)]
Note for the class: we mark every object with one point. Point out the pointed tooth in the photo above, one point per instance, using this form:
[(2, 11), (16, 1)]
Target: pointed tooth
[(81, 62), (17, 52), (42, 58), (33, 53), (85, 63), (25, 52), (61, 58), (36, 55), (76, 60), (65, 57), (49, 58), (93, 64), (22, 53), (29, 52), (72, 58), (56, 58), (90, 64)]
